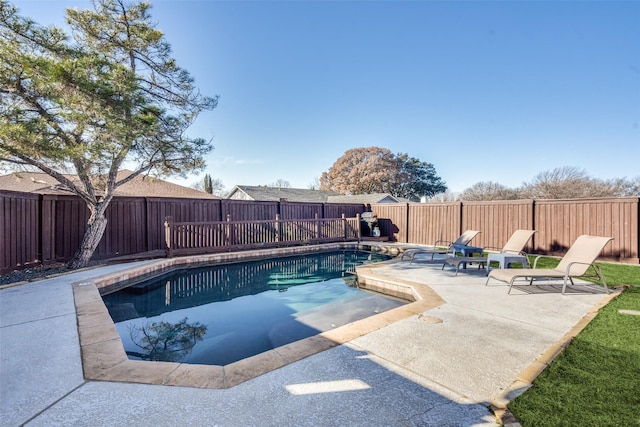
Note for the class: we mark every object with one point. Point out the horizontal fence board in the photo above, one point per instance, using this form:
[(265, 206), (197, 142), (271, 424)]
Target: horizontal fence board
[(243, 210), (496, 221), (337, 210), (298, 210), (394, 224), (429, 223), (560, 222)]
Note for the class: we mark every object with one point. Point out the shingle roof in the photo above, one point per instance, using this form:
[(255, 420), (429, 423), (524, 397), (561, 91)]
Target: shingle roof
[(249, 192), (140, 186), (364, 198), (260, 192)]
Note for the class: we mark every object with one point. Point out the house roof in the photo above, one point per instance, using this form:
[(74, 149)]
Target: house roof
[(140, 186), (364, 198), (260, 192)]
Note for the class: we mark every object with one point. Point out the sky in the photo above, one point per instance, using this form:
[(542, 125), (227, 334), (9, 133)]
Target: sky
[(484, 90)]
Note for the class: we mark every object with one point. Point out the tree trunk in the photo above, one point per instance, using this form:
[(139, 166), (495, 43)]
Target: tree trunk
[(93, 234)]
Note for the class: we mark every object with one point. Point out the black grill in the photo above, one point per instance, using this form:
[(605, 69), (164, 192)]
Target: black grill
[(367, 223)]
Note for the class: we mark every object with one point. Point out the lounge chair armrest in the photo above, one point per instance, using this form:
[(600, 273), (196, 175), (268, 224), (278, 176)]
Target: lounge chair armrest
[(492, 248), (439, 243), (526, 255), (576, 262), (535, 261), (523, 253)]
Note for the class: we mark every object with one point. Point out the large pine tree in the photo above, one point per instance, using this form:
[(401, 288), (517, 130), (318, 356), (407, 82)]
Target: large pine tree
[(107, 94)]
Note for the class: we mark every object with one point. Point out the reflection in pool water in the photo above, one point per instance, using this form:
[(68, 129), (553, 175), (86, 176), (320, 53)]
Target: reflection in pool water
[(218, 315), (169, 342)]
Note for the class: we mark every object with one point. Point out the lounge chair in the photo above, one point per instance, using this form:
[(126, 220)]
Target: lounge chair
[(575, 263), (514, 247), (440, 248)]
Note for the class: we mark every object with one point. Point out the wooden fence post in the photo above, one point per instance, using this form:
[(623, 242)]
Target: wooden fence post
[(344, 227), (358, 229), (229, 231), (168, 233), (318, 228), (278, 229)]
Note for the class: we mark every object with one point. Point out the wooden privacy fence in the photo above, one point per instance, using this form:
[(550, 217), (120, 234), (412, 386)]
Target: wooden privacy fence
[(48, 228), (558, 223), (184, 238)]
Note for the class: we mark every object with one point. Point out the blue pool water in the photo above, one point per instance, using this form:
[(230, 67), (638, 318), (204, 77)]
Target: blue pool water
[(222, 314)]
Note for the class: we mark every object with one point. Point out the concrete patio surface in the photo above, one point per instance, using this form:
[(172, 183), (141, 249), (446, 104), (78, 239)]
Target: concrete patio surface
[(450, 365)]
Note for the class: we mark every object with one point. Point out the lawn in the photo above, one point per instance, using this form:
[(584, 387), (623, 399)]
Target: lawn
[(595, 381)]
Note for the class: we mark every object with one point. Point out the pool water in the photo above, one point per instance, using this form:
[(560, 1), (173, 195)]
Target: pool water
[(222, 314)]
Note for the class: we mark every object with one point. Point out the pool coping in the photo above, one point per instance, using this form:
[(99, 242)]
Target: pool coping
[(104, 357)]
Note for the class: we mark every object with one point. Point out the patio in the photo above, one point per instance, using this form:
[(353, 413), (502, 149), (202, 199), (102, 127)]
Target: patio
[(448, 365)]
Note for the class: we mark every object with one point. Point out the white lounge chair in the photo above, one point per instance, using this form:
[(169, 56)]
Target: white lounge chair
[(440, 248), (575, 263), (514, 246)]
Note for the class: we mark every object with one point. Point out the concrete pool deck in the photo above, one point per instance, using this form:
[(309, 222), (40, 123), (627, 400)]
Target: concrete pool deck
[(462, 350)]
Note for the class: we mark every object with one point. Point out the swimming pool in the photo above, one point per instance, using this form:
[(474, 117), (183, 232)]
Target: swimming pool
[(222, 314)]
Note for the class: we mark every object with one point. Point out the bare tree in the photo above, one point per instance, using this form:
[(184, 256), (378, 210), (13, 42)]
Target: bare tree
[(566, 182), (315, 184), (198, 185), (489, 191), (281, 183), (446, 196), (210, 185), (569, 182), (619, 187), (633, 187), (217, 187)]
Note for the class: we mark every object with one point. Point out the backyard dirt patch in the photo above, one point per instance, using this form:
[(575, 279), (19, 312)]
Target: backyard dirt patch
[(40, 272)]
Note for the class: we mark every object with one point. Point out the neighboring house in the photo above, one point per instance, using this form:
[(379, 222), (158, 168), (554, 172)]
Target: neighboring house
[(264, 193), (260, 192), (365, 198), (140, 186)]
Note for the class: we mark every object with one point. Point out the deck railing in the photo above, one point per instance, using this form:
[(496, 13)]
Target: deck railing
[(188, 238)]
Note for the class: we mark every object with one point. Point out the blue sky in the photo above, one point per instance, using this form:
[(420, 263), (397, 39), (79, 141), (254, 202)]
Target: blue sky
[(485, 91)]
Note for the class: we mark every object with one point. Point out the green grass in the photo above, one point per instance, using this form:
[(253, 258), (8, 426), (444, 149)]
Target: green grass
[(615, 274), (595, 381)]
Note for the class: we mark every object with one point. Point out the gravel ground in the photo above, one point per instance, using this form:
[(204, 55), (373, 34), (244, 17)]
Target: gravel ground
[(38, 272)]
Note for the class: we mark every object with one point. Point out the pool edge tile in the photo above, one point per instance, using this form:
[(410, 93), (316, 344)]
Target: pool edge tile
[(199, 376), (252, 367)]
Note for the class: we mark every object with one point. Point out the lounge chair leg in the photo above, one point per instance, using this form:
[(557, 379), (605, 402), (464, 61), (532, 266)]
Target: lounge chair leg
[(601, 276), (564, 284)]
